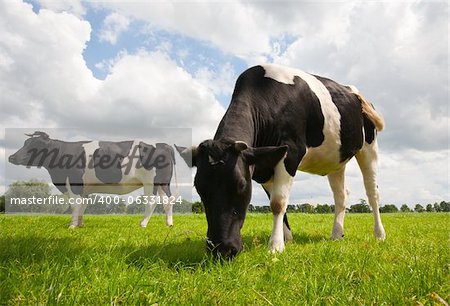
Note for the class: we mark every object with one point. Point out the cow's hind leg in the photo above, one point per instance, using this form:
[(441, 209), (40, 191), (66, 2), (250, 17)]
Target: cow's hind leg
[(77, 206), (150, 205), (81, 214), (367, 159), (279, 198), (337, 184), (286, 228), (77, 211)]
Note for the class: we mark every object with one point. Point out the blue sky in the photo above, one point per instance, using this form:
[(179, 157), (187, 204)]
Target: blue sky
[(119, 68)]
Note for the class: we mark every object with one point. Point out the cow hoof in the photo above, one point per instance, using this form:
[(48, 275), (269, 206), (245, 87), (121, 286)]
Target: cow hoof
[(72, 227), (379, 233), (336, 237), (288, 236), (276, 246), (143, 225), (337, 233)]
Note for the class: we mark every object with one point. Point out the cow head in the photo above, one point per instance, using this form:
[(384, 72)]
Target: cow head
[(30, 153), (223, 181)]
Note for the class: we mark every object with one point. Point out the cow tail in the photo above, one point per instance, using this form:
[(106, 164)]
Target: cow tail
[(369, 110)]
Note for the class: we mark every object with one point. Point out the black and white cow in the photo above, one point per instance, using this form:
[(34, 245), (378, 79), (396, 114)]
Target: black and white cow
[(81, 168), (281, 120)]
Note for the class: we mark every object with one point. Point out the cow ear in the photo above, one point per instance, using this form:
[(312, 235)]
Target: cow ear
[(240, 146), (188, 154), (265, 156)]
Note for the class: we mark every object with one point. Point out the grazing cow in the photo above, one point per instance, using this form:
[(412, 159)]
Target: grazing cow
[(281, 120), (81, 168)]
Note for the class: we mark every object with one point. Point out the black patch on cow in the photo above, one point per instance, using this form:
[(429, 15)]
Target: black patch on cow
[(349, 108), (161, 158), (107, 160), (68, 165), (285, 220), (369, 130), (147, 155)]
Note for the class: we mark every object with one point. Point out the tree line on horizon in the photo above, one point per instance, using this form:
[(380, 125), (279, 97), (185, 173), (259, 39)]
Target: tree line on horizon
[(41, 189), (362, 207)]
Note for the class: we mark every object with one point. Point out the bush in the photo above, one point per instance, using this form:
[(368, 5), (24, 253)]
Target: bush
[(323, 209), (360, 208), (405, 208), (419, 208), (198, 208), (388, 208)]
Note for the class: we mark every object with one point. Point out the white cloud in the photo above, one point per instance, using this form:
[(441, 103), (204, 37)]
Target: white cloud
[(233, 27), (70, 6), (220, 81), (149, 90), (46, 71), (113, 25), (414, 176)]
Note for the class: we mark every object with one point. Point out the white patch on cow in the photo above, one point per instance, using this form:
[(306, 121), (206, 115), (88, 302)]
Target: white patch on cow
[(353, 89), (132, 178), (286, 231), (276, 242), (78, 207), (325, 158), (280, 74), (337, 184), (149, 207), (367, 159), (279, 198)]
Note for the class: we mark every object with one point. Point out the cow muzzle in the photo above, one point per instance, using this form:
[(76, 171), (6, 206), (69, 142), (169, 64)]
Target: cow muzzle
[(13, 159), (227, 249)]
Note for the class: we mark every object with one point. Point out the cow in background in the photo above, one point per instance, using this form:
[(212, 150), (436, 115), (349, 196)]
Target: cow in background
[(81, 168)]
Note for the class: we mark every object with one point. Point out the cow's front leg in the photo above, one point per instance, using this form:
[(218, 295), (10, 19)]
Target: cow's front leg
[(76, 213), (149, 207), (286, 229), (279, 198), (164, 193)]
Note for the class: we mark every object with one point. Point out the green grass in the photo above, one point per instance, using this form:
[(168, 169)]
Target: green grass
[(113, 261)]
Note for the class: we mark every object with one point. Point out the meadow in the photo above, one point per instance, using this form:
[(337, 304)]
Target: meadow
[(112, 261)]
